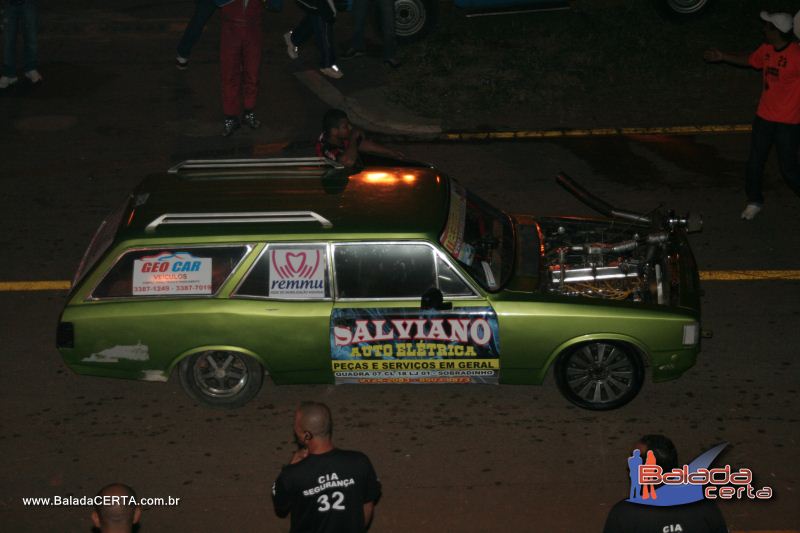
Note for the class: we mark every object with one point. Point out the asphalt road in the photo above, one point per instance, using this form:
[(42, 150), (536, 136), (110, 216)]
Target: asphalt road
[(454, 458)]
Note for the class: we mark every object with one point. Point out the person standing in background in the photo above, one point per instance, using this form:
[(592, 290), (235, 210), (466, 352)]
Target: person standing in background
[(240, 61), (20, 13)]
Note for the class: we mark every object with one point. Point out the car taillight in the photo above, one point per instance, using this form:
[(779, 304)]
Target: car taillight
[(65, 335)]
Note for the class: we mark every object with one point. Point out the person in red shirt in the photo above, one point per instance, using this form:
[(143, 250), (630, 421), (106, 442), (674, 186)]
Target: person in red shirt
[(240, 59), (777, 119)]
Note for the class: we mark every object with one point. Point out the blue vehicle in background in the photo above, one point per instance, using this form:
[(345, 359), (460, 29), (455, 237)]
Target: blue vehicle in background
[(416, 18)]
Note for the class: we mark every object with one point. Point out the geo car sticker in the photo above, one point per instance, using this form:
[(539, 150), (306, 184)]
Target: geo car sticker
[(171, 273)]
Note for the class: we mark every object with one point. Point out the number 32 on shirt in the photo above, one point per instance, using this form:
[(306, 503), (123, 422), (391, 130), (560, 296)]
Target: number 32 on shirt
[(335, 502)]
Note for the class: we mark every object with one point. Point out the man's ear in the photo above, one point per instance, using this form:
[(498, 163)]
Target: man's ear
[(137, 515), (96, 519)]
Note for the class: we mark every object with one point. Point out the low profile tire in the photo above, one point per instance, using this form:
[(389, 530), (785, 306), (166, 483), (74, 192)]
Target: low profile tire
[(600, 375), (414, 19), (221, 379), (682, 9)]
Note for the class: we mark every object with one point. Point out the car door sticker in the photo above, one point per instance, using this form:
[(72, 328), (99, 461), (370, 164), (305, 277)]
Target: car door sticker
[(171, 273), (296, 273), (415, 345)]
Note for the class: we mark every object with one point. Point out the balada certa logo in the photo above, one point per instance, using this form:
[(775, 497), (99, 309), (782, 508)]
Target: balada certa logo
[(651, 485)]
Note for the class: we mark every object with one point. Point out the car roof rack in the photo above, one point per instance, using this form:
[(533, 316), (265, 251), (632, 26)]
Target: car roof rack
[(254, 164), (253, 217)]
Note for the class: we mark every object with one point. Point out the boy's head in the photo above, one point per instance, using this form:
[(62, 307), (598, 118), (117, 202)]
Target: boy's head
[(336, 125)]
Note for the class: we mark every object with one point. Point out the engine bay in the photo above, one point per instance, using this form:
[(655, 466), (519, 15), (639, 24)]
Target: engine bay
[(611, 260)]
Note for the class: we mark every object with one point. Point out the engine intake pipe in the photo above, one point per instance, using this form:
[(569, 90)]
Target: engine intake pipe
[(601, 206)]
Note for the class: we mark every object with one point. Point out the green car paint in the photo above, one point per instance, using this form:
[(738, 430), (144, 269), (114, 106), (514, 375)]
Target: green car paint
[(486, 260)]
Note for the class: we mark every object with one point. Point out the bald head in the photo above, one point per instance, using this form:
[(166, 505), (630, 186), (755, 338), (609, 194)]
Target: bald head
[(315, 417), (114, 509)]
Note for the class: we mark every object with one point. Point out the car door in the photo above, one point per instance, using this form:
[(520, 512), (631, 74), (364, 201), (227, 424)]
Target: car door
[(284, 305), (380, 332)]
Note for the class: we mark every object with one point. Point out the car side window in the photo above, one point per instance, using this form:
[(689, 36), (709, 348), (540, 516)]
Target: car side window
[(389, 270), (289, 272), (449, 282), (192, 271)]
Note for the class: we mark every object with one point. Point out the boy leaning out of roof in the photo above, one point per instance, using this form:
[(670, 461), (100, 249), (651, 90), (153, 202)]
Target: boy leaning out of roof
[(341, 142)]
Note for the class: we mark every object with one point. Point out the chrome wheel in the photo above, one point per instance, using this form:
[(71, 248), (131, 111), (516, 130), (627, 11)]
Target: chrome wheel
[(220, 374), (600, 375), (226, 379), (686, 7), (410, 17)]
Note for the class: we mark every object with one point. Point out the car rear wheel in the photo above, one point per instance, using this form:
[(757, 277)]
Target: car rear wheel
[(600, 375), (221, 379)]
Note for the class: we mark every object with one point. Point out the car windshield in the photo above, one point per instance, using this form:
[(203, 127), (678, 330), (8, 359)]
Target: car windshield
[(479, 237)]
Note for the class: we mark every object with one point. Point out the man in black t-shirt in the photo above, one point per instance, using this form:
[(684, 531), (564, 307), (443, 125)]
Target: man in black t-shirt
[(324, 489), (698, 517)]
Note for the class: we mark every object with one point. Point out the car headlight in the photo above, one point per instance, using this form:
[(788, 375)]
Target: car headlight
[(691, 334)]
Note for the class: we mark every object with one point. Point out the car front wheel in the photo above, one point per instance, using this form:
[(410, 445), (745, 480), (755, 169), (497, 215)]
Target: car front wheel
[(221, 379), (600, 375)]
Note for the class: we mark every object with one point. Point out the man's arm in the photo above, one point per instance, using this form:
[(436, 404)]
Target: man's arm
[(369, 509), (377, 149), (350, 155), (713, 55), (280, 498)]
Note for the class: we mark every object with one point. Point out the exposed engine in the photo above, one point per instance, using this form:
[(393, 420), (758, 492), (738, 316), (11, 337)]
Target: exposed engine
[(629, 257), (600, 260)]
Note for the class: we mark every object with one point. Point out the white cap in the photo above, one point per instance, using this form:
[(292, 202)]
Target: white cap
[(782, 21)]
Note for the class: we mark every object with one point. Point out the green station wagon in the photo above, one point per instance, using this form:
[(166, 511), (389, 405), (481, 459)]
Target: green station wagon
[(394, 273)]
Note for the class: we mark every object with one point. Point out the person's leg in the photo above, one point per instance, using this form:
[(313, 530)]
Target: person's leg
[(323, 36), (11, 17), (230, 61), (360, 9), (251, 61), (760, 144), (29, 31), (787, 143), (303, 31), (203, 10), (386, 8)]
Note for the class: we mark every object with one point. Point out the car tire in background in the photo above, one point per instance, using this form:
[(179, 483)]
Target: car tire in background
[(414, 19), (682, 9), (600, 375), (220, 378)]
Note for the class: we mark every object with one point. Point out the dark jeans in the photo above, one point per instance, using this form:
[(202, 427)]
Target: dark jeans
[(386, 9), (322, 30), (16, 14), (786, 138), (202, 12)]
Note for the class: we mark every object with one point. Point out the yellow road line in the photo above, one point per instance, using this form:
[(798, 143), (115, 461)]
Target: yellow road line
[(705, 275), (594, 132), (9, 286), (749, 275)]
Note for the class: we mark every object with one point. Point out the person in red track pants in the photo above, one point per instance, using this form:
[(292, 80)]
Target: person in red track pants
[(240, 59)]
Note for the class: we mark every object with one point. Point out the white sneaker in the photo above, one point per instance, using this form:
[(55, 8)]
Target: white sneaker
[(34, 76), (6, 82), (751, 211), (332, 72), (181, 63), (291, 49)]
